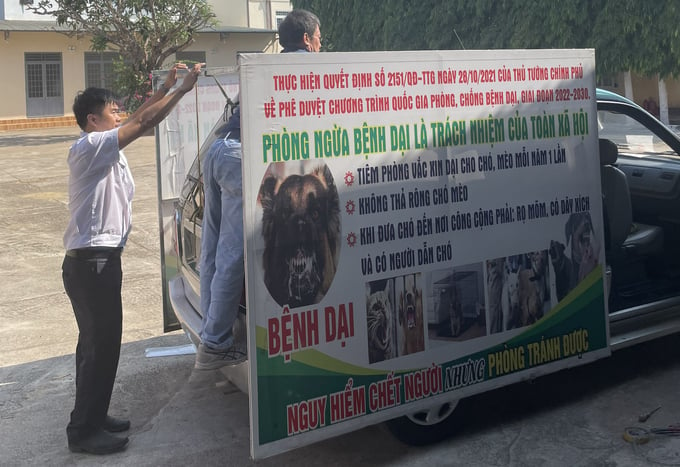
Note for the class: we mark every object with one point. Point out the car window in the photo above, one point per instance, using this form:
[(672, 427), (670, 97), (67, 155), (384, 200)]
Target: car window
[(631, 136)]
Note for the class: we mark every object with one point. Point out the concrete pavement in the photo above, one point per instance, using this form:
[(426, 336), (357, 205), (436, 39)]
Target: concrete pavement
[(183, 417)]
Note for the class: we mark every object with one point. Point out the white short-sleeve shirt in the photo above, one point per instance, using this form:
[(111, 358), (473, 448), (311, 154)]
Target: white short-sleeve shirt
[(101, 189)]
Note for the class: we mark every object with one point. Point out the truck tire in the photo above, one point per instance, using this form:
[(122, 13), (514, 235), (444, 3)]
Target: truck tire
[(426, 426)]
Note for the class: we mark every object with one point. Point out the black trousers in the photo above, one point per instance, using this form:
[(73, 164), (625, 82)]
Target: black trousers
[(93, 283)]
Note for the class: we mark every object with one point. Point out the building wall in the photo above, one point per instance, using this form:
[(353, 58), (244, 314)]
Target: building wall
[(243, 13), (13, 10), (646, 87), (13, 93), (232, 13), (220, 49), (264, 12), (259, 14)]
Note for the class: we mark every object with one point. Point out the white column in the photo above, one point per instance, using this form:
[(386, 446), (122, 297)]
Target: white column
[(663, 102), (628, 85)]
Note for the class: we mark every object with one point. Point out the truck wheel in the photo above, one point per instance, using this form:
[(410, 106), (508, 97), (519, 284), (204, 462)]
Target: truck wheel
[(426, 426)]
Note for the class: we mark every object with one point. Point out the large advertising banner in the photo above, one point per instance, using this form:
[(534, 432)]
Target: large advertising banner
[(420, 227)]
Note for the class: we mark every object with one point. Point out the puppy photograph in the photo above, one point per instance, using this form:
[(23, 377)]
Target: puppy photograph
[(518, 289), (534, 287), (301, 232)]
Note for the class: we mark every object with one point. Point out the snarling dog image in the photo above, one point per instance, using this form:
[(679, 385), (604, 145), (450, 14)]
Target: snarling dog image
[(583, 254), (380, 321), (301, 230), (411, 317)]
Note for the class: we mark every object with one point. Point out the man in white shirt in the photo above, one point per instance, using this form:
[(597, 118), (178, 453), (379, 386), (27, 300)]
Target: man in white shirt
[(100, 217)]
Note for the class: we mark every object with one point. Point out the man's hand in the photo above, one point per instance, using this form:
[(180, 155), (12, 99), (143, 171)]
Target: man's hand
[(171, 77), (191, 78), (157, 108)]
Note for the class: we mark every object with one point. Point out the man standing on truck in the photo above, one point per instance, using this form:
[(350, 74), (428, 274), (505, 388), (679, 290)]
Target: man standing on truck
[(100, 214), (221, 264)]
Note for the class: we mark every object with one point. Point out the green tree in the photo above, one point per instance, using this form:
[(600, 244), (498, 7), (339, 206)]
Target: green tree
[(144, 32), (627, 35), (356, 35), (639, 36)]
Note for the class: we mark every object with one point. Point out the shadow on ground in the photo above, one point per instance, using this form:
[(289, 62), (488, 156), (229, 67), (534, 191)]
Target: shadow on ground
[(35, 140)]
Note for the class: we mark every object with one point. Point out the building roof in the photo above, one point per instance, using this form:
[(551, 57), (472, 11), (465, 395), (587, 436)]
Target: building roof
[(239, 29), (41, 25), (30, 26)]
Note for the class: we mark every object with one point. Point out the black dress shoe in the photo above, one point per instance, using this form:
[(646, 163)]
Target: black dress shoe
[(99, 442), (115, 425)]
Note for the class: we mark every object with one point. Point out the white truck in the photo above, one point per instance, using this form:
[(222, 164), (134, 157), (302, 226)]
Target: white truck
[(483, 217)]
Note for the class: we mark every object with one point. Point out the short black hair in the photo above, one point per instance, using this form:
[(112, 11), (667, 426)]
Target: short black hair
[(91, 101), (294, 26)]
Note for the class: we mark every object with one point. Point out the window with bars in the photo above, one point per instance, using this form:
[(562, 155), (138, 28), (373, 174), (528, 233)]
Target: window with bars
[(280, 16), (34, 80), (44, 83), (99, 69), (43, 75)]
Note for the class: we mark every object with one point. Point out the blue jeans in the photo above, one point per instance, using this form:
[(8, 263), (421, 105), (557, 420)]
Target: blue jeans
[(221, 267)]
